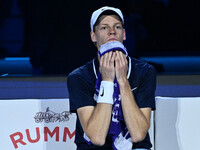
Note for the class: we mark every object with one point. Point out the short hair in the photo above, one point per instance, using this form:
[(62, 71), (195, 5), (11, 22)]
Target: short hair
[(107, 13)]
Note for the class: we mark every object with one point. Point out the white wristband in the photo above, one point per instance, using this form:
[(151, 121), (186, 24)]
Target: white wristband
[(106, 92)]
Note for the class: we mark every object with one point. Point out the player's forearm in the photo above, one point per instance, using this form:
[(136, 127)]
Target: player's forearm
[(136, 121), (98, 124)]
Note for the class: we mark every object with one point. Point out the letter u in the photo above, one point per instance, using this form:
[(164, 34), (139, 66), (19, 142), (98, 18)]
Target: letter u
[(37, 134)]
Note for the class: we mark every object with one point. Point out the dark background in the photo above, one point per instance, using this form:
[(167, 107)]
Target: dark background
[(55, 35)]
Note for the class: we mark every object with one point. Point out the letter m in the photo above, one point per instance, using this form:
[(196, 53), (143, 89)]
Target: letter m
[(67, 132), (47, 131)]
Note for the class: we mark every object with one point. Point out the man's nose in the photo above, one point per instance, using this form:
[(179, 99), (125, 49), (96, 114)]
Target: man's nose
[(112, 31)]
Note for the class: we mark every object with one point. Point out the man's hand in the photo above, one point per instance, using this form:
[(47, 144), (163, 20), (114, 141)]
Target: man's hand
[(106, 67), (121, 67)]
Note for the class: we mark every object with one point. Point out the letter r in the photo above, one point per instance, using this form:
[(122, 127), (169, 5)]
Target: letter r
[(19, 140)]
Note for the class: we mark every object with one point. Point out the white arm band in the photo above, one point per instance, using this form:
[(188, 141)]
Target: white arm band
[(106, 92)]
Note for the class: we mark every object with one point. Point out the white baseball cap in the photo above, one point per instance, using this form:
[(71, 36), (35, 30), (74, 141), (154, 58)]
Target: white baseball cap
[(98, 12)]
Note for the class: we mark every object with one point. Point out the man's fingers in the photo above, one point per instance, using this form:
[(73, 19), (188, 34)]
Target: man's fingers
[(122, 58), (117, 60), (108, 59), (109, 62), (113, 58), (104, 60)]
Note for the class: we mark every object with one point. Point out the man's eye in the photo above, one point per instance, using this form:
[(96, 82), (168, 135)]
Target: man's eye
[(118, 27), (103, 28)]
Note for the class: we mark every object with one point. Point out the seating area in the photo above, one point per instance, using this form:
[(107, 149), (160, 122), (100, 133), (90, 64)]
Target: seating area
[(174, 124)]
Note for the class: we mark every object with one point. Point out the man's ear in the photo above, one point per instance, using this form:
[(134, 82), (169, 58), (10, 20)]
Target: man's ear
[(93, 36), (124, 34)]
